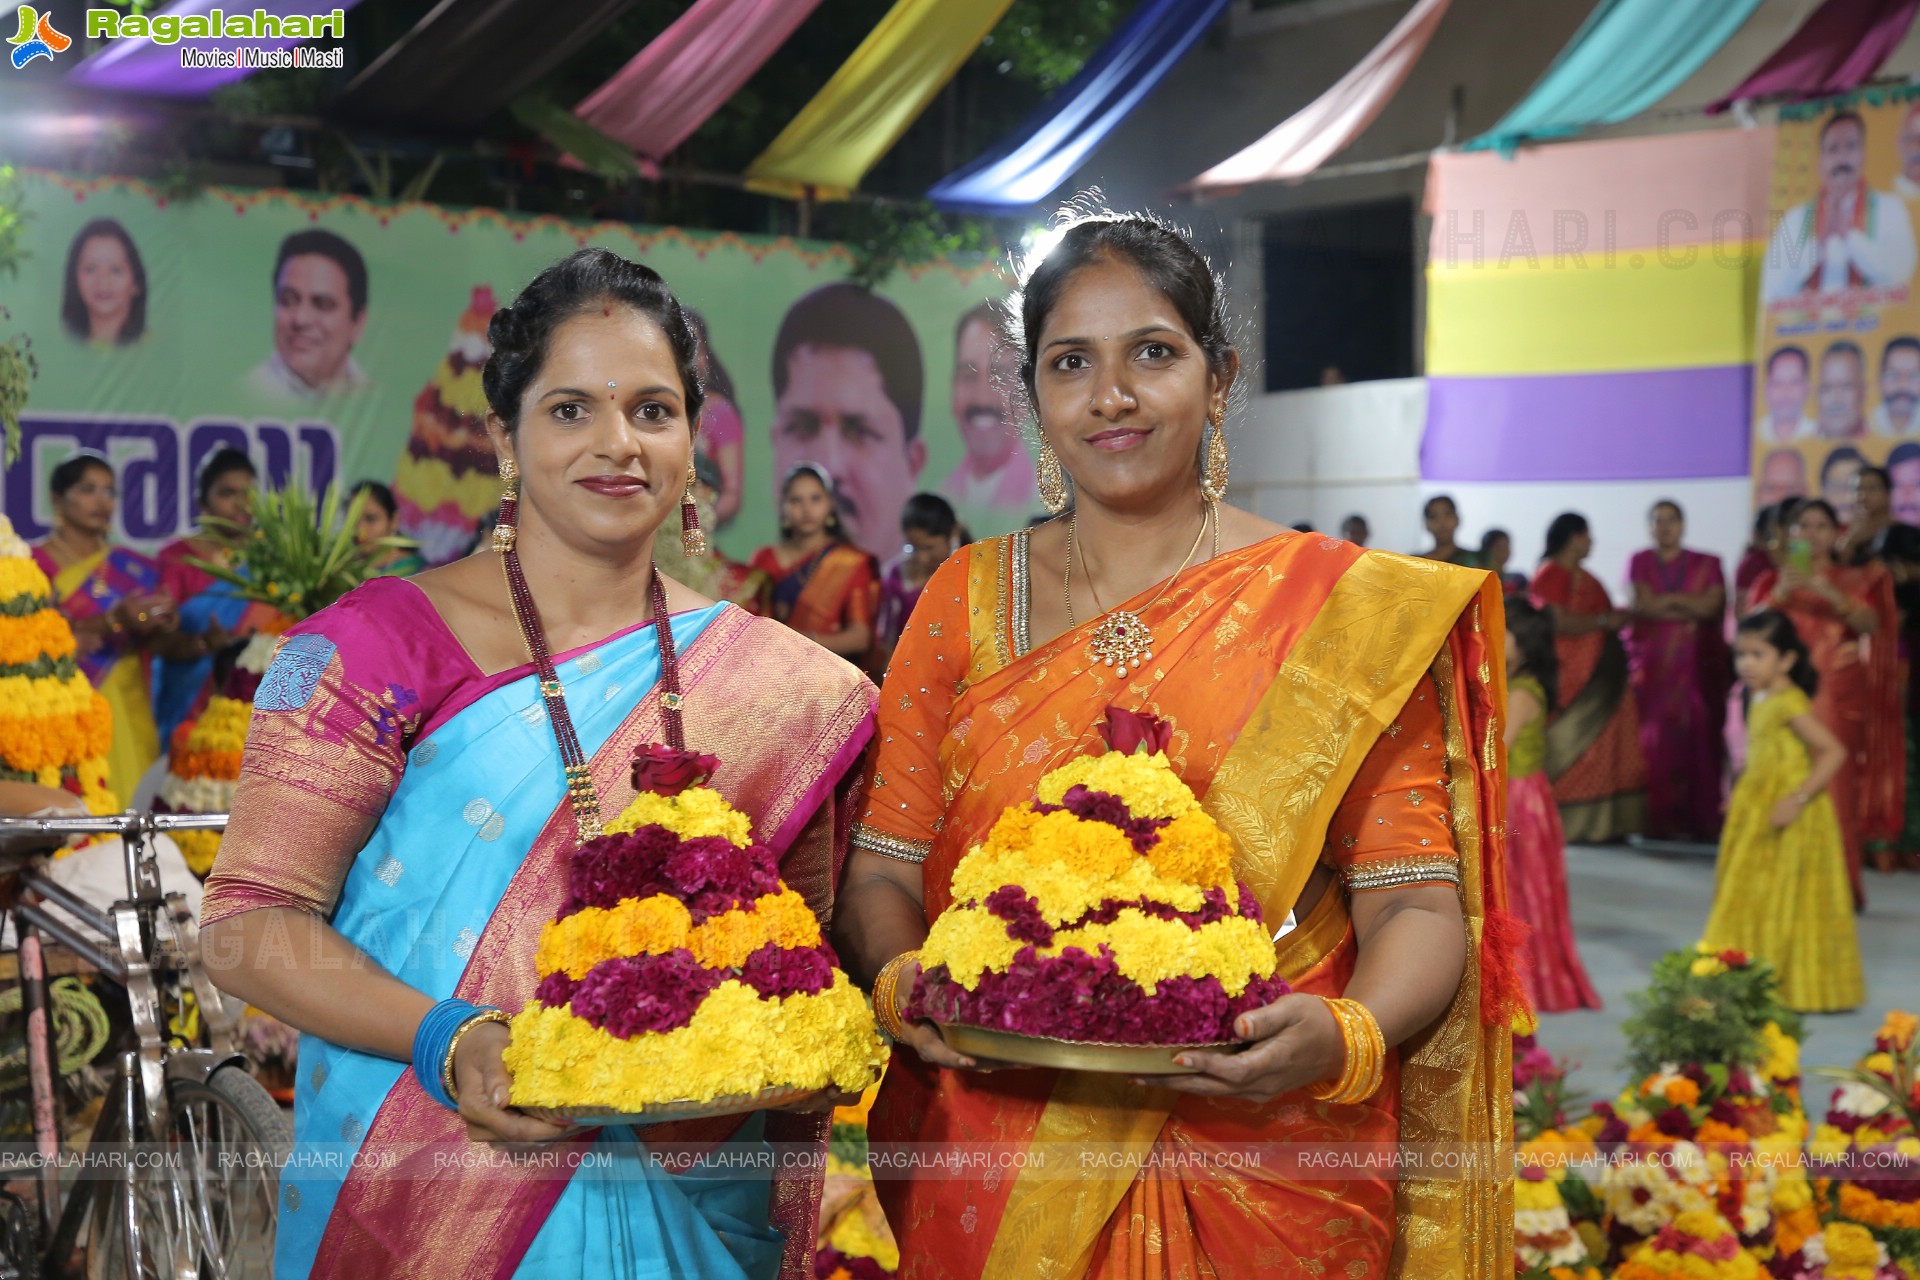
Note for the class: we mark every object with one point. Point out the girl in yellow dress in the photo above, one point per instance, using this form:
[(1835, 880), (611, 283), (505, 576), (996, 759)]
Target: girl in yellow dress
[(1781, 892)]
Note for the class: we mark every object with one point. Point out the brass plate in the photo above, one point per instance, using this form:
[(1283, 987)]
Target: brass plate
[(732, 1104), (1073, 1055)]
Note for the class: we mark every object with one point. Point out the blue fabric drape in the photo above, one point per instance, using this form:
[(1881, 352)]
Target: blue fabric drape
[(1053, 142), (1626, 56)]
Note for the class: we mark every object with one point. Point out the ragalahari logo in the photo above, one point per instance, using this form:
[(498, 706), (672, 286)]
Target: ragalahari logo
[(37, 38)]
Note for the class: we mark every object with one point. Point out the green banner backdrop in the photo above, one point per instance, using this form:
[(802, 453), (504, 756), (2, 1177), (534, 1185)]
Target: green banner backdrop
[(337, 338)]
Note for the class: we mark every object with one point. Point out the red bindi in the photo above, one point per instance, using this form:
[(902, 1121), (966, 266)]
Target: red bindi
[(606, 311)]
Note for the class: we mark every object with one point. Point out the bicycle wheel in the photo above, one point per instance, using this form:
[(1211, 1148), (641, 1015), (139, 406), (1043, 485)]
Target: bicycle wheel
[(206, 1203)]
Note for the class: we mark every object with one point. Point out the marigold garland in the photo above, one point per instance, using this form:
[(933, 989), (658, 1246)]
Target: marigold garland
[(694, 813), (734, 1045), (44, 634), (659, 924), (1146, 782), (20, 576)]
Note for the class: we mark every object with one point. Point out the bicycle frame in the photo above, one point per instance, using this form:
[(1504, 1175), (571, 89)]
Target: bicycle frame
[(147, 939)]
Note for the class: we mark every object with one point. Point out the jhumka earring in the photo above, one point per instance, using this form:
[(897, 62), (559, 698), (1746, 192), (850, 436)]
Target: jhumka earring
[(1213, 477), (1052, 481), (693, 540), (503, 529)]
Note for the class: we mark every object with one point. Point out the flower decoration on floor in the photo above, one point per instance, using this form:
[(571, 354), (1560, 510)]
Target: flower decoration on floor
[(54, 726), (1104, 910), (1843, 1251), (1696, 1245), (681, 968)]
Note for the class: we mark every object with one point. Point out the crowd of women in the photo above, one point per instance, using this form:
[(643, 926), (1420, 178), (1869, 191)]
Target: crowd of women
[(1627, 719), (405, 707)]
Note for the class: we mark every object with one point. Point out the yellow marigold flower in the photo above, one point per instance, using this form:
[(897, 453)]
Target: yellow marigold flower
[(1149, 949), (1880, 1062), (855, 1237), (694, 813), (969, 941), (1899, 1028), (1063, 890), (1148, 784), (20, 576), (1851, 1246), (638, 926), (1828, 1143), (199, 848), (736, 1043), (1783, 1053), (1682, 1093), (1193, 848), (726, 940), (1529, 1195), (1707, 948), (1708, 967), (44, 634)]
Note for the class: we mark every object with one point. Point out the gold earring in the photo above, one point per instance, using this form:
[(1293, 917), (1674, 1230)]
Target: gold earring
[(693, 540), (504, 531), (1213, 478), (1052, 481)]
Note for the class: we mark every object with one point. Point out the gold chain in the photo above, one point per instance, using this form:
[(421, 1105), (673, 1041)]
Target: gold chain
[(1210, 516)]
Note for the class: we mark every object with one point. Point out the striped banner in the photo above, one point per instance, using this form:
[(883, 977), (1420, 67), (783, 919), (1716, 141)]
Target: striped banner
[(1591, 309)]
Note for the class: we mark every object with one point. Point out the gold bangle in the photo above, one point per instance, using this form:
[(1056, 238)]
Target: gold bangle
[(886, 994), (1366, 1051), (453, 1046)]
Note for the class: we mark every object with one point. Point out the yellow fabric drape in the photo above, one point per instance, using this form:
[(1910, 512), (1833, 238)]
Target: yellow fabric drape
[(873, 97)]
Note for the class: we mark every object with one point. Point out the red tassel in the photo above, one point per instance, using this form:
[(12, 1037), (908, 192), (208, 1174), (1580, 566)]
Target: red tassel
[(1503, 940), (693, 540)]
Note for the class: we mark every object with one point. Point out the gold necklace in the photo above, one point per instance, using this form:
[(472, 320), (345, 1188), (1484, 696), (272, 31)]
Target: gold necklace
[(1122, 640)]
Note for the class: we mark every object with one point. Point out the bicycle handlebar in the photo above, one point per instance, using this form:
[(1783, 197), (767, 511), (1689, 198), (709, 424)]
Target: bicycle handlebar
[(133, 822)]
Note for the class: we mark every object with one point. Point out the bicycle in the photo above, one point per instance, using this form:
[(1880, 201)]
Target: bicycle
[(202, 1198)]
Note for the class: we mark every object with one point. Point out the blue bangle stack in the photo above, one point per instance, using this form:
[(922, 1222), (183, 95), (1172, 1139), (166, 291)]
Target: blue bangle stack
[(432, 1040)]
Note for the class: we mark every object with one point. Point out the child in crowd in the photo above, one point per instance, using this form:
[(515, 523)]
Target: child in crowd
[(1536, 848), (1781, 888)]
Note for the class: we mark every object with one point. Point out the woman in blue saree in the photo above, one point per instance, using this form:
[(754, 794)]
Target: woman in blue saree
[(402, 820), (212, 616)]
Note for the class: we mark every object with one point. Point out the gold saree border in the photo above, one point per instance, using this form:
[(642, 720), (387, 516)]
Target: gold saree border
[(1275, 793)]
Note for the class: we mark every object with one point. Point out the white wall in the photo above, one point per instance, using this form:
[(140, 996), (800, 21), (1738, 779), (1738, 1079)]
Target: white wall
[(1321, 454)]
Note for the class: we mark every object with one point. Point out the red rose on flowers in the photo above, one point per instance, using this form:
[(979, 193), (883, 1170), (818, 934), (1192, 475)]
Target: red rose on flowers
[(1734, 958), (668, 771), (1129, 732)]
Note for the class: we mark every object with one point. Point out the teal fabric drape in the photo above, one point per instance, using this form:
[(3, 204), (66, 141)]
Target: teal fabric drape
[(1626, 56)]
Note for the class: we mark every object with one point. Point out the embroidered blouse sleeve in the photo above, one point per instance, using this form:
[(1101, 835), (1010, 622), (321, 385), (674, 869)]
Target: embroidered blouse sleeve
[(899, 812), (1394, 826), (324, 752)]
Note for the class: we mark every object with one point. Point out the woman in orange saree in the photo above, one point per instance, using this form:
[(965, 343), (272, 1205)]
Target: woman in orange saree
[(1336, 709), (823, 586), (1847, 617), (1593, 742)]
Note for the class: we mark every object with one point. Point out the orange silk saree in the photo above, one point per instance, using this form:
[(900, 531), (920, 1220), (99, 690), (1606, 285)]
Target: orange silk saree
[(1281, 666)]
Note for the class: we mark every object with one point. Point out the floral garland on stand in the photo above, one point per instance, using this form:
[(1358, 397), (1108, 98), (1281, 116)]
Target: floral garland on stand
[(55, 727)]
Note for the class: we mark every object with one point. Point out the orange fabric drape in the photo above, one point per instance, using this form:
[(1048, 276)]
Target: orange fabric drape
[(843, 590), (968, 726), (1859, 699)]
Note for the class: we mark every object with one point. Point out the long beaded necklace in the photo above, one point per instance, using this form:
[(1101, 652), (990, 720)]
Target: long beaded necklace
[(1123, 640), (580, 791)]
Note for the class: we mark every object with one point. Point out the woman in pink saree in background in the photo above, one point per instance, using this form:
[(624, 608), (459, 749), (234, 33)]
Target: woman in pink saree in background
[(1681, 672)]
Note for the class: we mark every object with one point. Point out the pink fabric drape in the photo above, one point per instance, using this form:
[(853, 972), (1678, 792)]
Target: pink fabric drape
[(1837, 49), (1308, 138), (670, 88)]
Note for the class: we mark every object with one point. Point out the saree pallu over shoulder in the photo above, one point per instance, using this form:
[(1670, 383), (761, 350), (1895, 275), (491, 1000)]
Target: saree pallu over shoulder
[(788, 722), (1280, 666)]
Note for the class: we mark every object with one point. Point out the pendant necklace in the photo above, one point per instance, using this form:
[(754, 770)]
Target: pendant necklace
[(1122, 640), (580, 789)]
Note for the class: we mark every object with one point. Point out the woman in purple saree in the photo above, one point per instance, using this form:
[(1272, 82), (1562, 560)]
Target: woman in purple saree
[(1682, 671)]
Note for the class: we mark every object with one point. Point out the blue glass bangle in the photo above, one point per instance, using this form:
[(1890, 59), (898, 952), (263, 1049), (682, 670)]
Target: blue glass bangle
[(431, 1042)]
